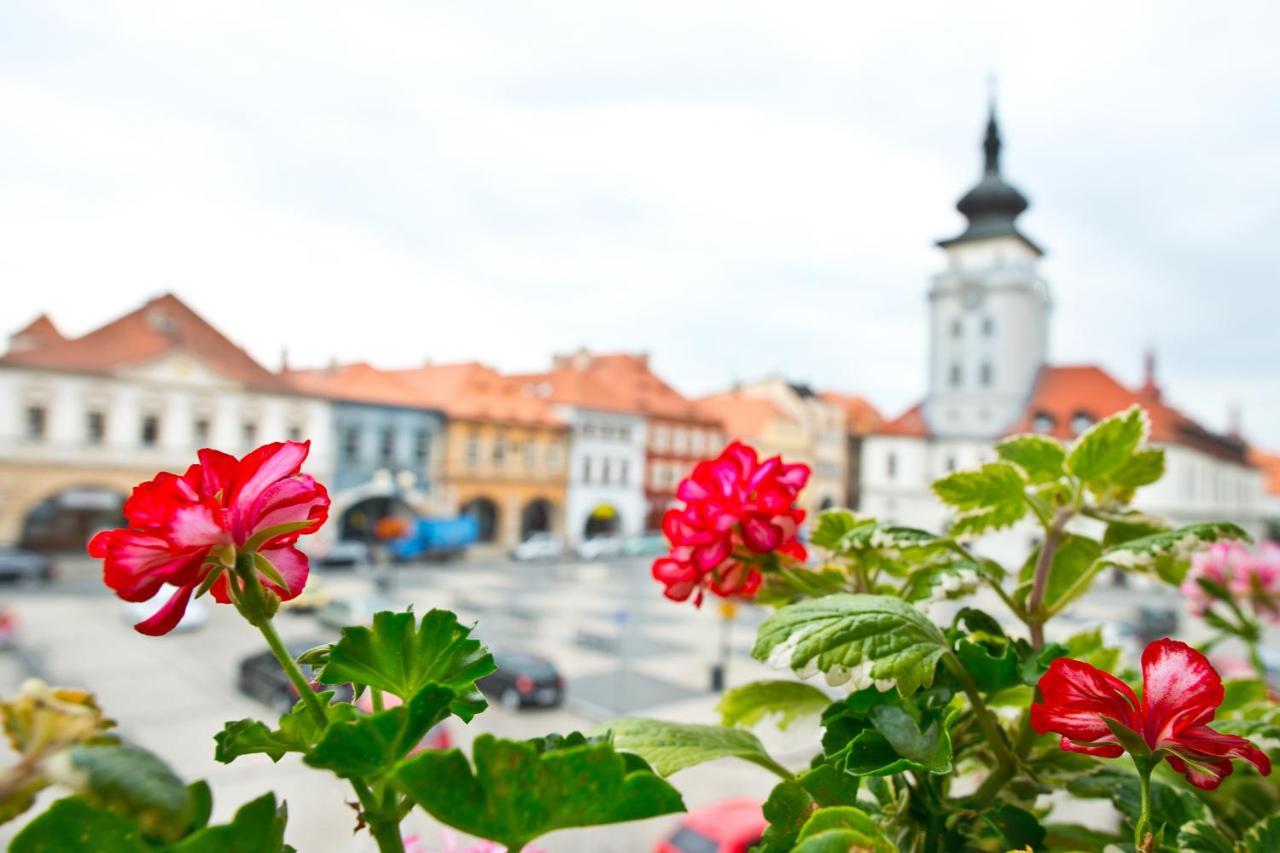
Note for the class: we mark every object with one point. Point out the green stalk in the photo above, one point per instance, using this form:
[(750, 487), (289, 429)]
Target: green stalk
[(293, 672), (1143, 836), (1005, 760), (1036, 617)]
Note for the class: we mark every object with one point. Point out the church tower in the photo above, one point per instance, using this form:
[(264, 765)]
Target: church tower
[(988, 312)]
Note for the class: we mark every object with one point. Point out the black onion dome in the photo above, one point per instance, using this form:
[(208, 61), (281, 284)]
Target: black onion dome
[(993, 205)]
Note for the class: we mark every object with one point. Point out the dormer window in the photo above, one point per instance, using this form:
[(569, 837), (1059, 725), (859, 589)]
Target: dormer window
[(1080, 422), (1043, 422)]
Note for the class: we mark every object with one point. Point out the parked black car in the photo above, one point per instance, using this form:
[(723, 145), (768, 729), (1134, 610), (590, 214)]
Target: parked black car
[(17, 564), (262, 678), (523, 679)]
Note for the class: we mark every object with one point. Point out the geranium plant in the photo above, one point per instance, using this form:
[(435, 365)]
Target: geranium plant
[(961, 735)]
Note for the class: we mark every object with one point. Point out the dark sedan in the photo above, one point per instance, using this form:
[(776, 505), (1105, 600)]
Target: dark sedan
[(262, 678), (522, 680), (17, 564)]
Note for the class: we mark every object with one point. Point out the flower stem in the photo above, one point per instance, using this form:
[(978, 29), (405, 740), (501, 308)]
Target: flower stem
[(1255, 659), (1040, 585), (387, 834), (1005, 760), (1143, 836), (291, 670)]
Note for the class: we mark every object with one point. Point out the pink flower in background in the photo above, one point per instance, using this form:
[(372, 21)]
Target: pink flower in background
[(736, 506), (1250, 577), (449, 844)]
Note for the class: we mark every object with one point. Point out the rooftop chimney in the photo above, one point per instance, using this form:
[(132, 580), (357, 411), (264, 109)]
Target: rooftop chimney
[(1149, 386)]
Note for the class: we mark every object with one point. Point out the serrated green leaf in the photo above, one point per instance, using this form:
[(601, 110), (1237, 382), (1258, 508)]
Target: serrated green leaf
[(670, 747), (787, 700), (73, 824), (1168, 554), (787, 808), (1125, 527), (131, 781), (298, 732), (1170, 806), (1203, 837), (1108, 444), (1039, 456), (948, 580), (993, 666), (516, 793), (368, 746), (257, 827), (987, 498), (1263, 837), (831, 527), (1143, 467), (788, 584), (839, 829), (929, 749), (401, 656), (858, 638), (1017, 828)]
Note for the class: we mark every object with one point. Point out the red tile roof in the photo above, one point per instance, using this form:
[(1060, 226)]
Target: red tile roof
[(860, 416), (742, 417), (162, 326), (474, 391), (359, 382), (910, 424), (40, 332), (1269, 465)]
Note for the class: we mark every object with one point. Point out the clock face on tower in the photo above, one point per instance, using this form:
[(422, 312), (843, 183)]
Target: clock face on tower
[(971, 295)]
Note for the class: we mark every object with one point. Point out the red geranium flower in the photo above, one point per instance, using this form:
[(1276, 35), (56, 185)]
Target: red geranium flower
[(735, 507), (182, 528), (1180, 693)]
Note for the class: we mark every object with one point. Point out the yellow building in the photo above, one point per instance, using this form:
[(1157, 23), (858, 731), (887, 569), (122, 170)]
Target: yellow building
[(505, 455)]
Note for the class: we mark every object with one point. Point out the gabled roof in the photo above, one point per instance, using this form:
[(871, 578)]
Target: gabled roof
[(1062, 392), (860, 417), (908, 424), (1269, 465), (162, 326), (358, 382), (40, 332), (741, 416), (474, 391)]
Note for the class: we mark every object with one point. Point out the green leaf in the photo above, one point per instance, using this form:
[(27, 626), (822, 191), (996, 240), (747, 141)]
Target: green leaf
[(1203, 837), (831, 527), (792, 802), (671, 747), (1124, 527), (862, 639), (73, 824), (839, 829), (201, 804), (131, 781), (1108, 444), (929, 749), (1039, 456), (1073, 836), (257, 827), (988, 498), (517, 793), (1170, 806), (954, 579), (369, 745), (1264, 837), (787, 584), (1075, 561), (1142, 468), (787, 700), (993, 666), (1168, 553), (395, 656), (298, 732), (877, 734), (1018, 828)]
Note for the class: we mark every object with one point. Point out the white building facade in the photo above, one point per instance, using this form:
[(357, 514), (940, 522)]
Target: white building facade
[(606, 483)]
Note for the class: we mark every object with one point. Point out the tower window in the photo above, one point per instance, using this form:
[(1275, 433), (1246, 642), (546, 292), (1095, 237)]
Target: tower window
[(36, 420), (984, 374), (955, 375), (891, 465), (957, 328), (988, 327)]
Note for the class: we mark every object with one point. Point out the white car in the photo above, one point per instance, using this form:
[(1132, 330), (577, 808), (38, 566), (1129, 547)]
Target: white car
[(539, 546), (193, 618), (598, 547)]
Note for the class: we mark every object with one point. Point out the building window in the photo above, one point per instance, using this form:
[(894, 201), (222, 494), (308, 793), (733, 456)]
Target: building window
[(530, 453), (988, 327), (553, 454), (499, 448), (604, 472), (1043, 422), (624, 434), (387, 446), (150, 430), (697, 439), (473, 448), (586, 469), (588, 429), (950, 463), (661, 437), (891, 465), (36, 422), (200, 431), (422, 447), (350, 444), (95, 427), (679, 440), (984, 374), (249, 434), (293, 432), (957, 328), (622, 472), (954, 375), (1080, 422)]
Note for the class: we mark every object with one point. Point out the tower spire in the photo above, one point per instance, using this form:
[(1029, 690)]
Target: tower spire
[(991, 145)]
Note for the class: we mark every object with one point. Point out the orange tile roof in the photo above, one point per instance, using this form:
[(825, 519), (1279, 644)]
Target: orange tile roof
[(474, 391), (359, 382), (742, 417), (860, 416), (40, 332), (162, 326), (1061, 392), (1269, 465), (910, 424)]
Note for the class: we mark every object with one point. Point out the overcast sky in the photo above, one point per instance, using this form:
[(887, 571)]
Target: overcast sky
[(738, 188)]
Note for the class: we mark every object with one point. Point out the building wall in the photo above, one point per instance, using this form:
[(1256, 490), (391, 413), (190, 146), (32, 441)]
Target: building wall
[(386, 450), (190, 406), (672, 448), (507, 464), (606, 469)]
